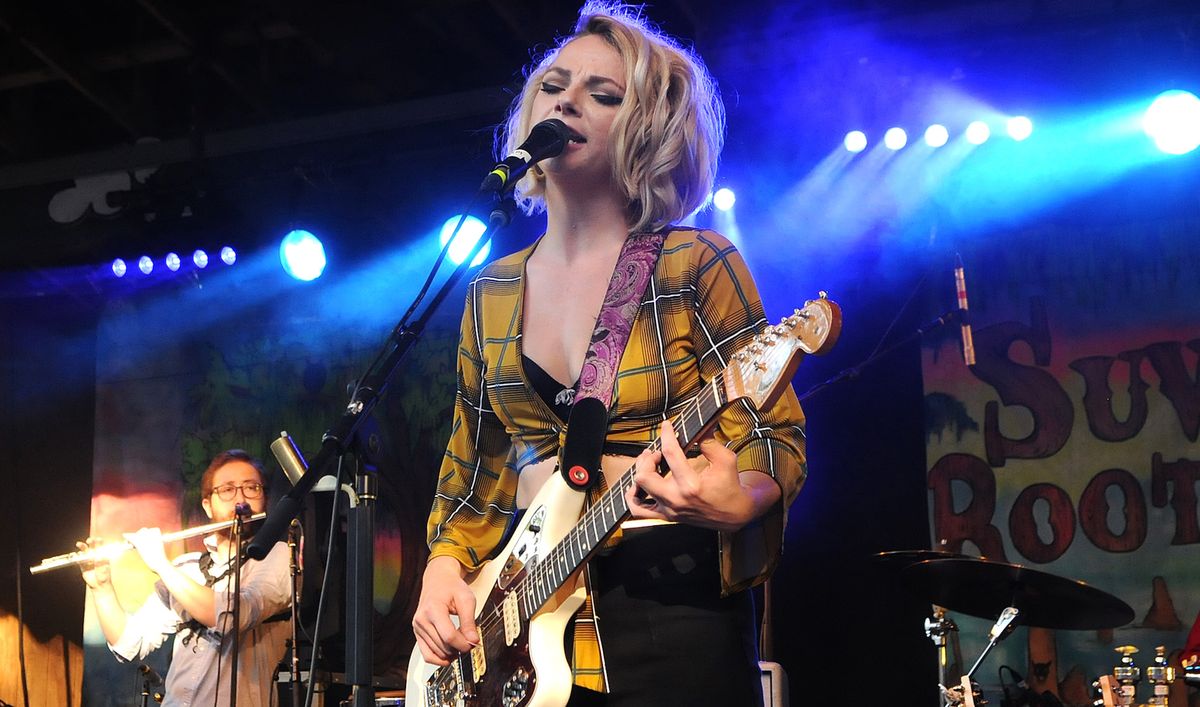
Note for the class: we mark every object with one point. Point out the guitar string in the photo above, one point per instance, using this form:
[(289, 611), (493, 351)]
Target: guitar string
[(490, 624), (541, 574)]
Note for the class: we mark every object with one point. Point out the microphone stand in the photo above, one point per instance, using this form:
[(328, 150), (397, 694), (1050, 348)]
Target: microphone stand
[(294, 561), (241, 510), (342, 439), (854, 371)]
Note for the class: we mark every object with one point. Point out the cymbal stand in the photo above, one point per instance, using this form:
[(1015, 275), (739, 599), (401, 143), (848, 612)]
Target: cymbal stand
[(1004, 625), (942, 630)]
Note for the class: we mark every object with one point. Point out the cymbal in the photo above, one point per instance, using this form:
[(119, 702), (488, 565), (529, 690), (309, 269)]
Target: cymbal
[(984, 588), (899, 559)]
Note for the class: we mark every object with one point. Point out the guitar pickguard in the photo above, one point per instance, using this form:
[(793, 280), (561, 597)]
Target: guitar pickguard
[(527, 547)]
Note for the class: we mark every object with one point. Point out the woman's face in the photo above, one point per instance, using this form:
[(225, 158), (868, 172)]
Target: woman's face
[(583, 87)]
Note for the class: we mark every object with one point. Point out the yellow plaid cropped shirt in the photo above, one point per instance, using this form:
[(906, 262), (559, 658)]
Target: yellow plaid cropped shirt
[(700, 307)]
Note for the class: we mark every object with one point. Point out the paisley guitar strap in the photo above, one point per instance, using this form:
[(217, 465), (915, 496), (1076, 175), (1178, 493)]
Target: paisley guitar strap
[(588, 422)]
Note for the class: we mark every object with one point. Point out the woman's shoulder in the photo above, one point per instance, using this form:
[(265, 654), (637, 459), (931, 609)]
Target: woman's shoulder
[(695, 247), (507, 268), (684, 237)]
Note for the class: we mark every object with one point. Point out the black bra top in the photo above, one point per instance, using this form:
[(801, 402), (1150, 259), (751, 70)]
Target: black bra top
[(557, 396)]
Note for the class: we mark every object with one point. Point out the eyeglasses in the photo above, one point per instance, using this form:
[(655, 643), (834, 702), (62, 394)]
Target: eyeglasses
[(228, 491)]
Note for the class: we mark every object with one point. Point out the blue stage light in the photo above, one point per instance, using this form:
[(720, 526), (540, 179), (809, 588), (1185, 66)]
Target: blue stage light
[(172, 261), (200, 258), (936, 135), (895, 138), (724, 199), (856, 141), (1019, 127), (228, 255), (1173, 122), (146, 265), (302, 255), (119, 268), (470, 232), (978, 132)]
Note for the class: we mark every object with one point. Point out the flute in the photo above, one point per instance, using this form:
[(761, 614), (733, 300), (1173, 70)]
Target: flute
[(111, 551)]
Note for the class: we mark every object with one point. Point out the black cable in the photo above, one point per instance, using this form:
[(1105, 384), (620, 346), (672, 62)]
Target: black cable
[(312, 662), (433, 271), (900, 312), (438, 262), (221, 644), (21, 616)]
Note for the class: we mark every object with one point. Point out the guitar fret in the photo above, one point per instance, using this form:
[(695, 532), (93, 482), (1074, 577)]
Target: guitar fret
[(598, 521)]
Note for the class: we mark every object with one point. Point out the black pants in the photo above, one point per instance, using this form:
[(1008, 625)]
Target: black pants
[(668, 636)]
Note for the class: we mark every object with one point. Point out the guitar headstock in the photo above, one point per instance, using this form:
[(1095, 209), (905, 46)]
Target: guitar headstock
[(760, 370)]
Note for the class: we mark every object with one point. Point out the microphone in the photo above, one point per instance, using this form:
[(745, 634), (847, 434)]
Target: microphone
[(289, 458), (242, 510), (151, 676), (547, 139), (960, 284)]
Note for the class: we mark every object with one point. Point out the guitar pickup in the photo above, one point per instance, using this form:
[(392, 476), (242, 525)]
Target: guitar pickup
[(512, 618), (478, 662)]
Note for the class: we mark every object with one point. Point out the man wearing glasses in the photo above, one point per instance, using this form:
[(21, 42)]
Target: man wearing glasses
[(193, 599)]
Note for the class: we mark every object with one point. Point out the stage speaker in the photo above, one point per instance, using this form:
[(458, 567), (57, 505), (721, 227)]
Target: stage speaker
[(774, 684)]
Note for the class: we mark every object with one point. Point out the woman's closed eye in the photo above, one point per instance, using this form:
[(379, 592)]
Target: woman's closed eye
[(605, 99), (551, 88)]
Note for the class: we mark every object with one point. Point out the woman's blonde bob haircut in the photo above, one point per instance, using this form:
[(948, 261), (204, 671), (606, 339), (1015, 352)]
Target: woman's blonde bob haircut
[(667, 133)]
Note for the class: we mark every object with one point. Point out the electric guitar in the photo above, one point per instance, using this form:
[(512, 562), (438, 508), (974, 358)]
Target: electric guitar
[(525, 597)]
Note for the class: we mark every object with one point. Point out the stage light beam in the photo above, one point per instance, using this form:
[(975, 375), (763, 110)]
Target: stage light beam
[(302, 255), (978, 132), (855, 141), (1019, 127), (119, 268), (228, 255), (895, 138), (724, 199), (936, 135), (200, 258), (172, 261), (1173, 122), (467, 236), (146, 265)]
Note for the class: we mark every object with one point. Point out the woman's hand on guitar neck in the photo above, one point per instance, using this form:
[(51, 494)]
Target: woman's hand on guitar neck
[(716, 497), (444, 593)]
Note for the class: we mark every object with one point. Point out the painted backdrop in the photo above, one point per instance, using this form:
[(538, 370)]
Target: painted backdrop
[(1071, 446)]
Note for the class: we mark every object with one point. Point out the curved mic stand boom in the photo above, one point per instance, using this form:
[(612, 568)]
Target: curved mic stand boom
[(342, 439)]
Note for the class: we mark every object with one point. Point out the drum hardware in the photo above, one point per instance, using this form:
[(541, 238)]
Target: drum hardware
[(942, 630), (1127, 674), (966, 693), (939, 627), (1013, 593), (1119, 689), (1160, 676)]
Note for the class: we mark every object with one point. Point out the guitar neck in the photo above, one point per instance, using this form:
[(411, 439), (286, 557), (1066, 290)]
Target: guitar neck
[(603, 518)]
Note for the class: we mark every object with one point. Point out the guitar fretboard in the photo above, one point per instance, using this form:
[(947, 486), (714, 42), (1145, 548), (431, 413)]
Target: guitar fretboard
[(602, 519)]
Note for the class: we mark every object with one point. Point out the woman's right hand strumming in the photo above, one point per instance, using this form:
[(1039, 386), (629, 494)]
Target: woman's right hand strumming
[(96, 574), (445, 593)]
